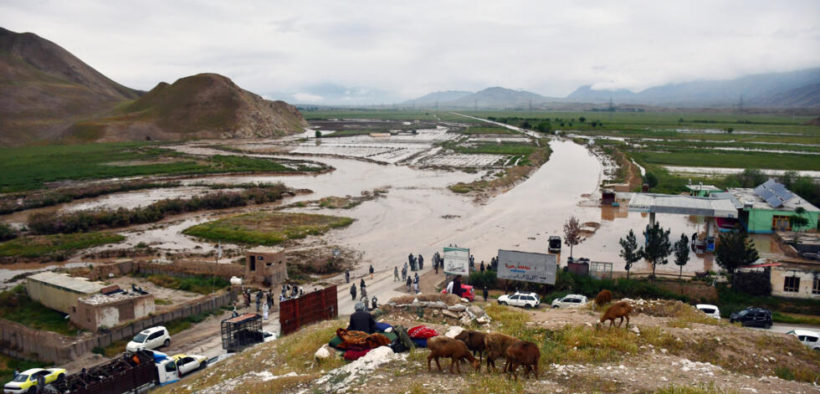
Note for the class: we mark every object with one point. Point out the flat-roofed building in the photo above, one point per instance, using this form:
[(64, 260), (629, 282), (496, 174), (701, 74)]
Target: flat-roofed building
[(60, 291), (266, 266)]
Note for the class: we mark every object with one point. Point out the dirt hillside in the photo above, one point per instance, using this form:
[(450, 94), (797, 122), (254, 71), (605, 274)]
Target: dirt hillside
[(199, 106), (46, 88)]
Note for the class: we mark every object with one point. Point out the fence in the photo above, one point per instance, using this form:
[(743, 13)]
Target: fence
[(19, 341), (312, 307)]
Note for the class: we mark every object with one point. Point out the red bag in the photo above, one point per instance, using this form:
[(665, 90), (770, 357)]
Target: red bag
[(421, 332)]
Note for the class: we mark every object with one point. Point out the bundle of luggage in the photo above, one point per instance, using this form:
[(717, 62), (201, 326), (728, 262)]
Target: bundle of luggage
[(356, 344)]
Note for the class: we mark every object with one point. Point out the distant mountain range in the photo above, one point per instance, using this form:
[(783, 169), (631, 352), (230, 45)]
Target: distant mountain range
[(797, 89), (48, 94)]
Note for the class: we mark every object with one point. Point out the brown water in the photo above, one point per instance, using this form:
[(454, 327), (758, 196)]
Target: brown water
[(410, 219)]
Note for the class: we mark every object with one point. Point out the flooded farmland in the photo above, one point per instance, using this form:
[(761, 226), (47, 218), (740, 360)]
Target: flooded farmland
[(419, 213)]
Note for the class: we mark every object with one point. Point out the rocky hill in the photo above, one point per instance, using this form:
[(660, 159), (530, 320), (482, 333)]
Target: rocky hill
[(46, 88), (50, 95), (199, 106)]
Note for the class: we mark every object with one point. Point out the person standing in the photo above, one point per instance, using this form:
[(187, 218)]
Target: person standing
[(408, 282), (347, 276), (353, 291), (395, 273), (482, 266), (457, 286), (259, 301), (435, 265), (486, 293), (410, 261), (404, 272), (421, 262), (371, 271)]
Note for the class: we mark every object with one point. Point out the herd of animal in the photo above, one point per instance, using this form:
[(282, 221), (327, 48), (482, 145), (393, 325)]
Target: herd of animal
[(515, 351)]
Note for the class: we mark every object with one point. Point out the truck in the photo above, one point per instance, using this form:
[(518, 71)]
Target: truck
[(554, 244), (241, 331), (136, 372)]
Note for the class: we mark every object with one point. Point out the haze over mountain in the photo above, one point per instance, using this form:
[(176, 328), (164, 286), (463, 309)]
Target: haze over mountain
[(49, 94), (797, 89)]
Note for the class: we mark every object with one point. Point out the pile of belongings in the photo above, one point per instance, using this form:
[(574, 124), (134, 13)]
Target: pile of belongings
[(356, 344)]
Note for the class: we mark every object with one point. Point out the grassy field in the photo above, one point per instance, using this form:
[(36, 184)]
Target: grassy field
[(15, 305), (701, 158), (195, 284), (31, 167), (266, 228), (56, 245)]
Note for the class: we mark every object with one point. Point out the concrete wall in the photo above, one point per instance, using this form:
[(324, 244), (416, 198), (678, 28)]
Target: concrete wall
[(760, 220), (17, 340), (62, 300), (779, 275)]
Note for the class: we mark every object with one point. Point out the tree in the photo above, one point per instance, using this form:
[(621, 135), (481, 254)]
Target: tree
[(582, 119), (572, 233), (318, 134), (681, 253), (735, 250), (650, 179), (657, 247), (630, 251), (797, 221)]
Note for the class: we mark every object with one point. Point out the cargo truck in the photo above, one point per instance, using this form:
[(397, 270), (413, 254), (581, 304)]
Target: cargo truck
[(132, 372)]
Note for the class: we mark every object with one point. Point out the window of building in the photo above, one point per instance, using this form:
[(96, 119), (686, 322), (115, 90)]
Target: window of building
[(261, 257), (815, 288), (791, 284)]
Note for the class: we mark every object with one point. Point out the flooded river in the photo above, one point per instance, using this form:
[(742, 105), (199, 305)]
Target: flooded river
[(420, 215)]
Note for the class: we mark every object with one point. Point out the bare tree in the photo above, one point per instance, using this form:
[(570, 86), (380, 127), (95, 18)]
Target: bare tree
[(572, 233)]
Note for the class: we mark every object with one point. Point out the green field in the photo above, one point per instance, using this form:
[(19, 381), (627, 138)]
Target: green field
[(266, 228), (56, 246), (15, 305), (31, 167)]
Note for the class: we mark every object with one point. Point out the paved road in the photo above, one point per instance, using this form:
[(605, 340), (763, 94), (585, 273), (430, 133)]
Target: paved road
[(784, 328)]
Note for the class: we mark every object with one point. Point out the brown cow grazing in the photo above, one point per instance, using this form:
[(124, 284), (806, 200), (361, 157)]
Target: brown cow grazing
[(474, 341), (620, 310), (442, 346), (603, 298), (522, 353), (496, 345)]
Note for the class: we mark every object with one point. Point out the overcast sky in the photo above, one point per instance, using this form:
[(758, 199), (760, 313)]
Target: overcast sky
[(380, 52)]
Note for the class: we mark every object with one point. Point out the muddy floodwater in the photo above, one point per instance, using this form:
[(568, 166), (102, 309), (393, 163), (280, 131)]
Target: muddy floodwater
[(420, 215)]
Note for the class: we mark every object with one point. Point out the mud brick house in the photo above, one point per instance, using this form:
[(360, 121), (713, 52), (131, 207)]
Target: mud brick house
[(60, 291), (266, 266), (110, 310)]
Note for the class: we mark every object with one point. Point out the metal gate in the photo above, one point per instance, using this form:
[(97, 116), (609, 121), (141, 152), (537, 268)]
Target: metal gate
[(309, 308)]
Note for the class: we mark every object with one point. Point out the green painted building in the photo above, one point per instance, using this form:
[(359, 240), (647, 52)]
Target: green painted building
[(768, 207)]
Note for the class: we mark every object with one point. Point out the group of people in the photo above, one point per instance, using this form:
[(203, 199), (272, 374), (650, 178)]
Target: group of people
[(412, 283), (362, 288), (289, 292), (260, 295)]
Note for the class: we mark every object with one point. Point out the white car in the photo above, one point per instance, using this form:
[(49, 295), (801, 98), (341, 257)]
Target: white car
[(807, 337), (526, 300), (187, 363), (149, 339), (569, 301), (709, 310)]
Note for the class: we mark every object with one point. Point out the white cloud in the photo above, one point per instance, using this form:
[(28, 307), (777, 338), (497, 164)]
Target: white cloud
[(407, 49)]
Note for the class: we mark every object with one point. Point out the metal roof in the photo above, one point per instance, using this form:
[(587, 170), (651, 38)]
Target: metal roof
[(709, 188), (683, 205), (265, 249), (66, 282)]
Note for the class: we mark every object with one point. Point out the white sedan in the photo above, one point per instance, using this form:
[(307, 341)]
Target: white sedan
[(569, 301)]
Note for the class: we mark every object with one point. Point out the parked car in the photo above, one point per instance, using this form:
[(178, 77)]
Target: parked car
[(467, 292), (807, 337), (26, 381), (187, 363), (526, 300), (554, 244), (753, 317), (149, 339), (710, 310), (569, 301)]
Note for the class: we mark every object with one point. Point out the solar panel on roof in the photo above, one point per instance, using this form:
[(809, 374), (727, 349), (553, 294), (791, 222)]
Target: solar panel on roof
[(763, 193), (774, 202)]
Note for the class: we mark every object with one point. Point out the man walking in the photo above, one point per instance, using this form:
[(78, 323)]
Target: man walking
[(395, 273), (421, 261), (353, 291), (407, 283), (371, 271), (485, 293), (404, 272), (347, 276)]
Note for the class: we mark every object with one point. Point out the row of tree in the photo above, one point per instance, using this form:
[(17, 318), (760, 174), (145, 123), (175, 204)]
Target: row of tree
[(734, 249)]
